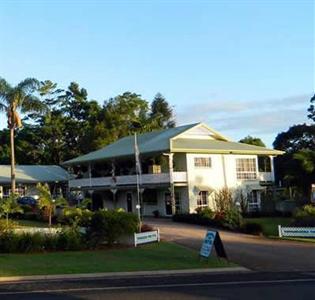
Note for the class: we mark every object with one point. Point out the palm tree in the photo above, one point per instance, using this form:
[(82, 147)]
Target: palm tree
[(15, 99), (47, 202)]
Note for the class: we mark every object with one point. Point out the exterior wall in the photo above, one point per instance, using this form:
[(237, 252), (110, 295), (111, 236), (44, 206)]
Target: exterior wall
[(121, 201), (222, 173)]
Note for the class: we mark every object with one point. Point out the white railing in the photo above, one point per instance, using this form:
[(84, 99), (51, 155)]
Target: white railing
[(266, 176), (160, 178)]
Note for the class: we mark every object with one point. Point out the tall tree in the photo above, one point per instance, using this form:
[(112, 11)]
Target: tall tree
[(296, 166), (161, 113), (252, 141), (12, 100), (311, 109)]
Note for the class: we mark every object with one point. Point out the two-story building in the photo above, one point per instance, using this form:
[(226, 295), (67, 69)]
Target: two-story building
[(192, 161)]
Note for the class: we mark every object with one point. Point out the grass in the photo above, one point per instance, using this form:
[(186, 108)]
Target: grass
[(295, 239), (158, 256), (31, 223), (270, 225)]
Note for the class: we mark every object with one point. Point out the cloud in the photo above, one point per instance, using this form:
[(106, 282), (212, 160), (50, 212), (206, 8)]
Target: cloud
[(269, 116)]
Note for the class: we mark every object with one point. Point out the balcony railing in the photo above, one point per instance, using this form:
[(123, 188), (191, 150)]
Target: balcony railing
[(127, 180)]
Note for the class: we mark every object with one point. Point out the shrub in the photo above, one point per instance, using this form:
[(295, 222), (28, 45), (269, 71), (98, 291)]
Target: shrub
[(252, 228), (223, 199), (232, 218), (76, 216), (205, 212), (8, 242), (69, 239), (195, 219), (50, 242), (305, 216), (6, 226), (29, 242), (108, 225)]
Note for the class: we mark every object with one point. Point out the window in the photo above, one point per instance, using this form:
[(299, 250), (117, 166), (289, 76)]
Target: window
[(246, 168), (264, 164), (202, 200), (203, 162), (253, 201)]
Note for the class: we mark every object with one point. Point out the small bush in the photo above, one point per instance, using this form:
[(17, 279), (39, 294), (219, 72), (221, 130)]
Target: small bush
[(69, 239), (232, 218), (6, 226), (305, 216), (252, 228), (29, 242), (109, 225), (8, 242), (76, 216), (205, 212), (195, 219)]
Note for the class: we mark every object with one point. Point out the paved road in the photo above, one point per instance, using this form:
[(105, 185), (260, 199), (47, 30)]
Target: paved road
[(253, 252), (181, 287)]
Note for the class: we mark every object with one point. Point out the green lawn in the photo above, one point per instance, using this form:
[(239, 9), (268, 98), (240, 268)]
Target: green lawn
[(158, 256), (270, 225), (31, 223)]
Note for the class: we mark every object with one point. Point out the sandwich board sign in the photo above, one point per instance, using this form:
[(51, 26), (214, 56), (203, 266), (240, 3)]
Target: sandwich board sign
[(211, 239)]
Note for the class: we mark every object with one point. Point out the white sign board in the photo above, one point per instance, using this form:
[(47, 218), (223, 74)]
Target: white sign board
[(207, 244), (296, 231), (147, 237)]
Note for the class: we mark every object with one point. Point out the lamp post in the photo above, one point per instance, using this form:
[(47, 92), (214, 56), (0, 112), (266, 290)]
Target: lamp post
[(172, 187)]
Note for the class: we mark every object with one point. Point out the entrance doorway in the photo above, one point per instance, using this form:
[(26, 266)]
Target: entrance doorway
[(97, 201), (129, 202), (168, 204)]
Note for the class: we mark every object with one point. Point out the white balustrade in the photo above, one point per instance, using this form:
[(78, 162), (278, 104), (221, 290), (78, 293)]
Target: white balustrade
[(160, 178)]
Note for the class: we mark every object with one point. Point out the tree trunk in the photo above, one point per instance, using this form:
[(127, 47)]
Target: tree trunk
[(12, 160), (50, 217)]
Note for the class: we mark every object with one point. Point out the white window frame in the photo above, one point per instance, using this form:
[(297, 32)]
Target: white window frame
[(202, 162), (202, 201), (247, 170)]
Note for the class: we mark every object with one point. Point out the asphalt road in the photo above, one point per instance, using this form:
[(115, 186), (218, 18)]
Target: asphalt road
[(203, 286), (253, 252)]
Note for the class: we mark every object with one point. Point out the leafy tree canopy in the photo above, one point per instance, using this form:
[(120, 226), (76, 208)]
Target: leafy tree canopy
[(252, 141)]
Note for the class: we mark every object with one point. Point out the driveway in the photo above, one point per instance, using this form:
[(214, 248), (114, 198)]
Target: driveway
[(253, 252)]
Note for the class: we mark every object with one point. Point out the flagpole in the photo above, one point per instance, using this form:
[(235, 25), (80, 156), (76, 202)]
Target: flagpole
[(138, 181)]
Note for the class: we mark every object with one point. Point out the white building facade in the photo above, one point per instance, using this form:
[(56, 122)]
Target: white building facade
[(187, 163)]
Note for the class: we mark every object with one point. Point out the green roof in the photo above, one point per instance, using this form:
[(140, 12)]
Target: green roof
[(167, 140), (33, 174), (221, 147), (151, 142)]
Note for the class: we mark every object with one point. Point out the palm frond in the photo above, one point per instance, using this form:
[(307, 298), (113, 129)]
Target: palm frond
[(33, 104), (2, 107), (5, 89), (28, 85)]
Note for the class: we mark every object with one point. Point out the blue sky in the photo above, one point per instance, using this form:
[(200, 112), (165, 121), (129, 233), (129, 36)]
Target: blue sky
[(243, 67)]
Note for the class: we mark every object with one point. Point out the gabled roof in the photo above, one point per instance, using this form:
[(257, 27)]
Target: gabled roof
[(220, 147), (33, 174), (151, 142), (175, 140)]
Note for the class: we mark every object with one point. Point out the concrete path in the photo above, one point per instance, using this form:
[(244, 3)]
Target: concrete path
[(255, 253)]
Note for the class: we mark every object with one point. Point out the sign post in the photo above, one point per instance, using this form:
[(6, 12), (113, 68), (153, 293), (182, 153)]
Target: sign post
[(212, 238)]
